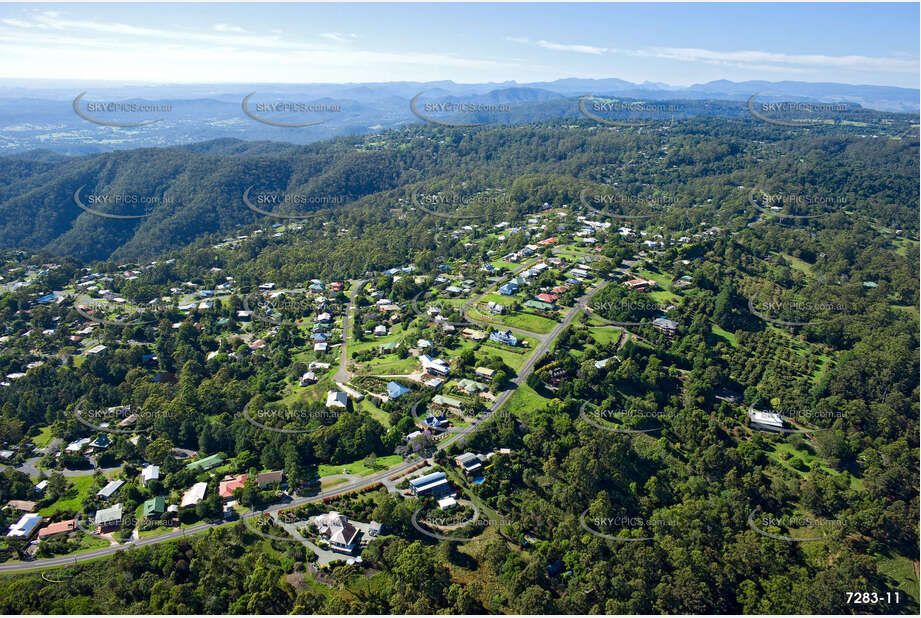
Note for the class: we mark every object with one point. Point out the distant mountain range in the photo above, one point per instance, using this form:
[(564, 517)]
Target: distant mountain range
[(37, 114)]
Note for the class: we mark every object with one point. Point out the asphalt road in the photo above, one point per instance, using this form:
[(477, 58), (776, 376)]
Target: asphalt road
[(342, 376), (45, 563), (526, 369)]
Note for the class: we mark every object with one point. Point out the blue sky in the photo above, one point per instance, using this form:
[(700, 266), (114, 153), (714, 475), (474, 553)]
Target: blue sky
[(678, 44)]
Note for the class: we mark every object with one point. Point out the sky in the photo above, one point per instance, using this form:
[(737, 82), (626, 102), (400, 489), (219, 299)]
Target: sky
[(676, 44)]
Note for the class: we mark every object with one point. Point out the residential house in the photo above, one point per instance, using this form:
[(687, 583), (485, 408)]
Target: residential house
[(109, 490), (434, 366), (640, 284), (447, 503), (664, 325), (62, 527), (471, 387), (434, 484), (150, 473), (336, 399), (335, 528), (450, 402), (469, 463), (108, 520), (206, 463), (508, 289), (770, 421), (227, 486), (503, 337), (271, 478), (395, 390), (194, 494), (154, 508), (485, 372), (25, 527), (23, 506), (308, 378)]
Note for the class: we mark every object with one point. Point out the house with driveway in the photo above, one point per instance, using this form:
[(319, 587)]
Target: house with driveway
[(336, 529)]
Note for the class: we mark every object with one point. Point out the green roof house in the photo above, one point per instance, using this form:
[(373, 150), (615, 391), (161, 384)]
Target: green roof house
[(154, 507), (212, 461)]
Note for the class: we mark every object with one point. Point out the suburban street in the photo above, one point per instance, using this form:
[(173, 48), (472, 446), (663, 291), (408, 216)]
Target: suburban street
[(342, 376), (381, 477)]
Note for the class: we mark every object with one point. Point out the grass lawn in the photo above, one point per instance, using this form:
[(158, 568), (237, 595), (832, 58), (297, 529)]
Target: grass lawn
[(376, 413), (604, 336), (395, 366), (902, 571), (725, 334), (44, 437), (358, 467), (806, 459), (82, 484), (329, 484), (513, 360), (798, 264), (524, 401), (517, 319), (904, 245), (371, 343)]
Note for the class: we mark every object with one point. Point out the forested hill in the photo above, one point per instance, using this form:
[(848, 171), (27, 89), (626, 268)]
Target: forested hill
[(184, 193)]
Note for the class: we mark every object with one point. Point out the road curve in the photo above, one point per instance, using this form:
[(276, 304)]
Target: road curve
[(526, 369)]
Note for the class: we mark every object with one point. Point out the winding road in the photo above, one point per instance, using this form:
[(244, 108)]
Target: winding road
[(381, 477)]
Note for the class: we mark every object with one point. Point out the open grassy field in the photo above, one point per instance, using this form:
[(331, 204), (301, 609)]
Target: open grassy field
[(81, 485), (725, 334), (524, 401), (358, 467)]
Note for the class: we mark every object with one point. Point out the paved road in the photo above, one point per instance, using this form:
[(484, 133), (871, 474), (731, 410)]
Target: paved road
[(380, 477), (528, 366), (342, 375)]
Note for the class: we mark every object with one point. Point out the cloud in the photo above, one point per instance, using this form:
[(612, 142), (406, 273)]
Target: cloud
[(18, 23), (581, 49), (338, 37), (228, 28), (747, 59), (817, 61)]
